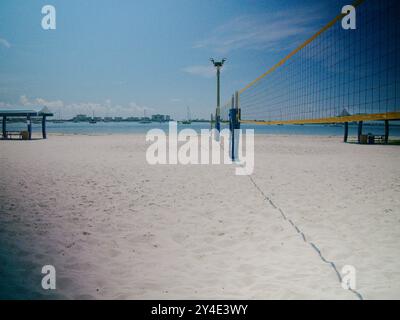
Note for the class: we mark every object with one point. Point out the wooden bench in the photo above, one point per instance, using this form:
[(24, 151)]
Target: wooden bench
[(373, 138), (10, 134), (380, 138)]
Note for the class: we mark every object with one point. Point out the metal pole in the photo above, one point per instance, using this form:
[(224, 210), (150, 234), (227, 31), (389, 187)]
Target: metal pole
[(232, 128), (236, 127), (238, 111), (360, 125), (346, 131), (44, 127), (28, 119), (218, 65), (386, 131), (218, 87), (4, 127), (218, 111)]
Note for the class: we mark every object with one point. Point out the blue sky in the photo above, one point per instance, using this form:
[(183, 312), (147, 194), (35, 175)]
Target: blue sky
[(117, 58)]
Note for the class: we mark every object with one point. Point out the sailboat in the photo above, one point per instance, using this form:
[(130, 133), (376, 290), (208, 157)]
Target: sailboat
[(144, 119), (92, 121), (188, 121)]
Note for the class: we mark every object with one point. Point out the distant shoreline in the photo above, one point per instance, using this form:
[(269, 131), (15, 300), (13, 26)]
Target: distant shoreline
[(106, 128)]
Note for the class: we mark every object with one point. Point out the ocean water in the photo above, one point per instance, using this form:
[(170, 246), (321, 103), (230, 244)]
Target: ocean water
[(134, 127)]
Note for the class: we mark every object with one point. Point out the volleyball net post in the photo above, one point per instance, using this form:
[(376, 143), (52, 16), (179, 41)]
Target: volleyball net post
[(234, 126), (346, 131)]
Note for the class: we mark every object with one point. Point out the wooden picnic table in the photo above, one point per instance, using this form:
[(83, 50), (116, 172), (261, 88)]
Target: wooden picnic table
[(10, 134)]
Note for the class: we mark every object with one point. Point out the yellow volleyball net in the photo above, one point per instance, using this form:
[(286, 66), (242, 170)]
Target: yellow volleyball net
[(337, 75)]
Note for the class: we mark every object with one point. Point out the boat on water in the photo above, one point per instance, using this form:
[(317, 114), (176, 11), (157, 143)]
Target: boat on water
[(188, 121), (92, 121), (145, 119)]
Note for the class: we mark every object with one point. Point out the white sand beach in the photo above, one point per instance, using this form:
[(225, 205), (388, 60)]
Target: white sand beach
[(115, 227)]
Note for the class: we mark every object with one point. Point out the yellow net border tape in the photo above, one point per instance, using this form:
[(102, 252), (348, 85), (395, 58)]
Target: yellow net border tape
[(304, 44)]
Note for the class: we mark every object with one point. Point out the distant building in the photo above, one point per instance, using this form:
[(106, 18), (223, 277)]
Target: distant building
[(132, 119), (154, 118), (158, 118), (81, 117)]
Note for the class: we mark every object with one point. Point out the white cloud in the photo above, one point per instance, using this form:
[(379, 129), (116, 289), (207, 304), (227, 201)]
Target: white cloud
[(5, 105), (139, 110), (261, 31), (69, 110), (5, 43), (204, 71), (105, 109), (24, 100), (40, 102)]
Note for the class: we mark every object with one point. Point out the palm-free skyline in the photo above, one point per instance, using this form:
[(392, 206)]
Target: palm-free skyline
[(121, 58)]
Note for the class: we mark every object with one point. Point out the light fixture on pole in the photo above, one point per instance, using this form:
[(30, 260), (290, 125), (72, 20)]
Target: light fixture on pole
[(218, 65)]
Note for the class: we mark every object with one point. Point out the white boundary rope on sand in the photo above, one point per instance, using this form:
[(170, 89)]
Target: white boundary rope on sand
[(314, 246)]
